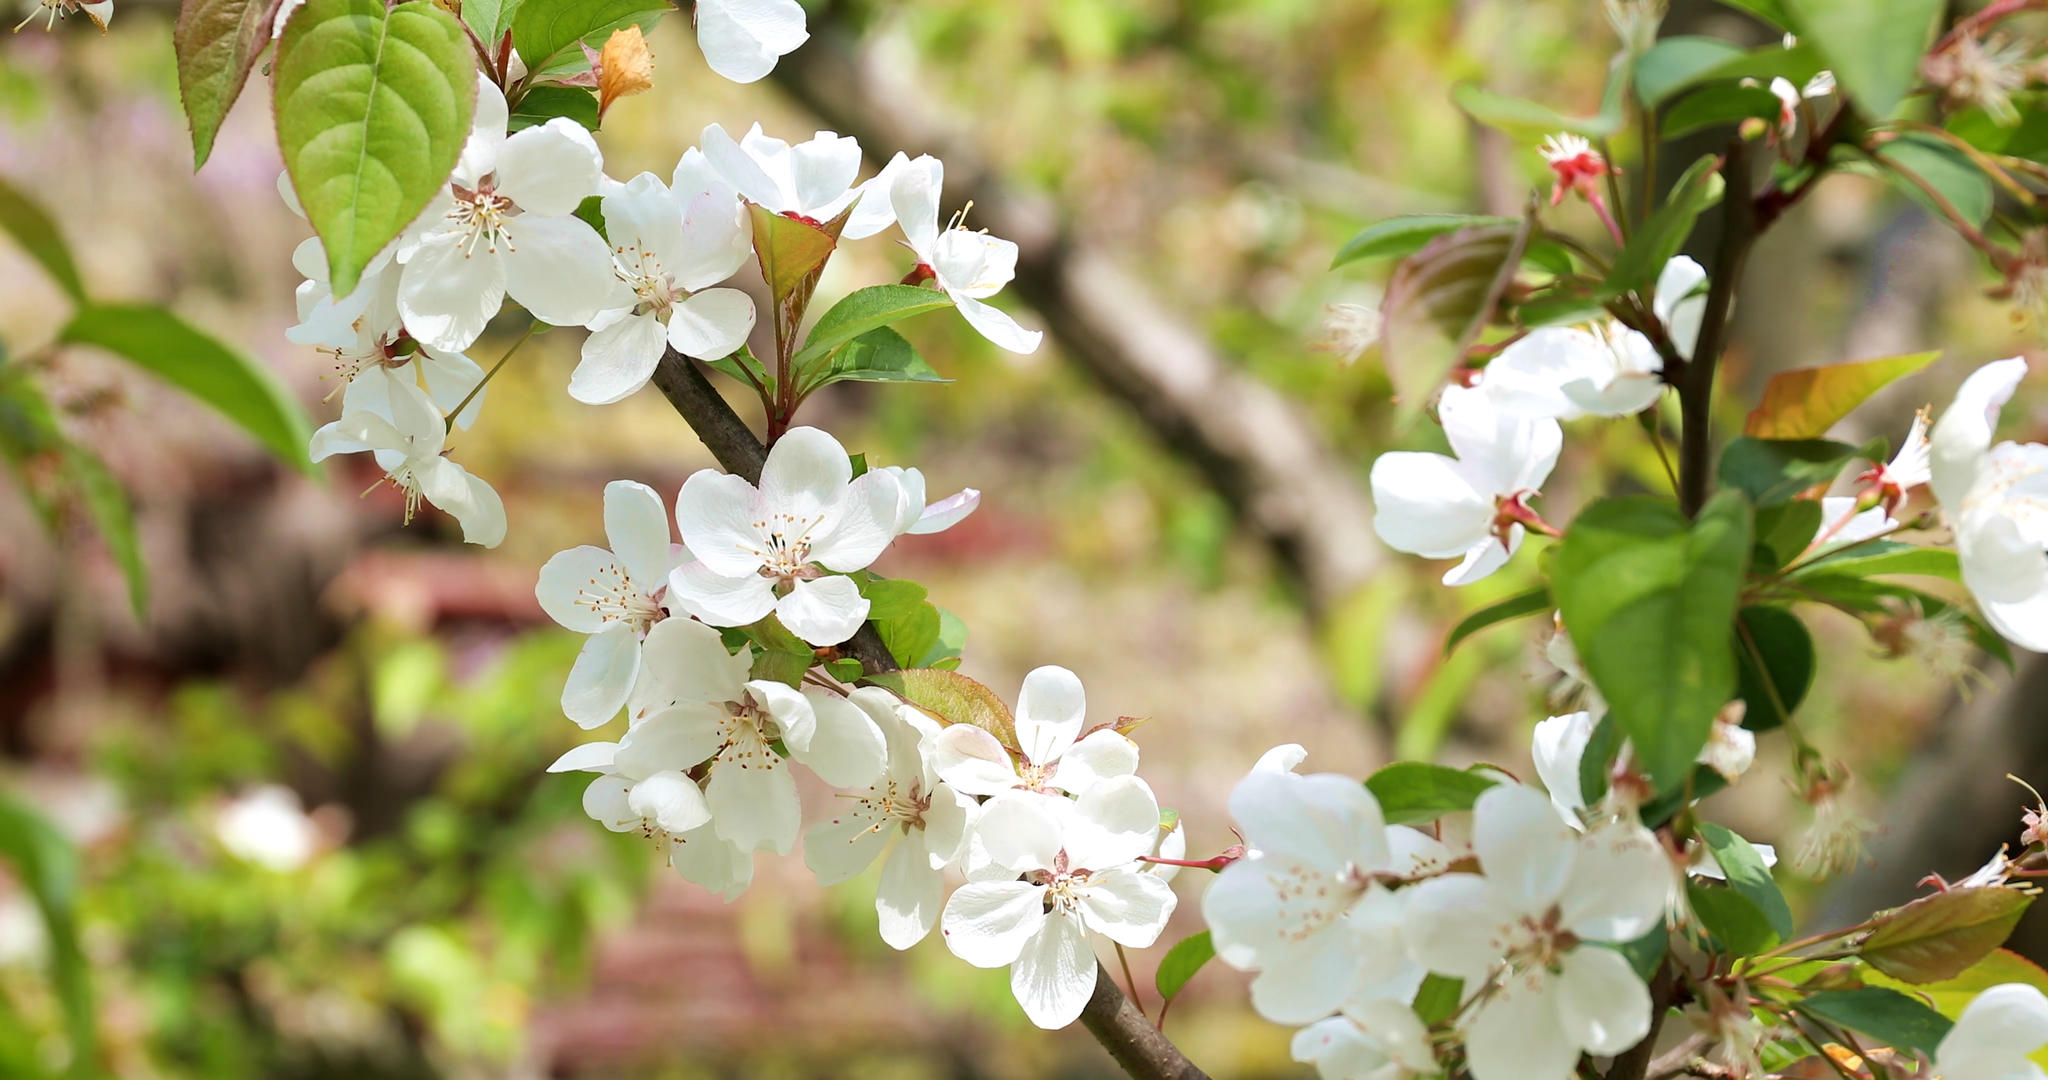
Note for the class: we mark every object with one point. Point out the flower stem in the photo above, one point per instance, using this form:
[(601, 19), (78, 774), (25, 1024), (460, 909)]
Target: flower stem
[(1125, 962), (1696, 387), (449, 424)]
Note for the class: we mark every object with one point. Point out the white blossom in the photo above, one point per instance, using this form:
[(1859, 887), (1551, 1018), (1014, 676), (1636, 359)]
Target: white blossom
[(910, 813), (1053, 755), (781, 547), (968, 266), (812, 180), (1600, 369), (1371, 1040), (268, 826), (1304, 907), (408, 446), (1523, 933), (612, 595), (506, 225), (101, 12), (1999, 1030), (1077, 875), (1466, 506), (731, 722), (668, 248), (742, 39), (1997, 499)]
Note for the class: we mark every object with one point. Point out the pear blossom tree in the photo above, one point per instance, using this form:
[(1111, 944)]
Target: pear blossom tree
[(1589, 919)]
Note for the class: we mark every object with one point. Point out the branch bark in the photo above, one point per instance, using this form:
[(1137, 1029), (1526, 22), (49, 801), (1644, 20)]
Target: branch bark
[(1696, 383), (1141, 1049)]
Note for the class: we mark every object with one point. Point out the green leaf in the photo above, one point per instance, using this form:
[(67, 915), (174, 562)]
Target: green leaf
[(953, 698), (877, 356), (1946, 169), (1560, 308), (1514, 114), (1412, 791), (1436, 305), (47, 866), (1649, 599), (745, 367), (1806, 402), (1718, 106), (1939, 937), (218, 43), (1747, 875), (372, 111), (1677, 63), (1770, 11), (546, 34), (783, 656), (1438, 997), (952, 641), (1596, 762), (1773, 688), (1181, 962), (1785, 531), (1646, 954), (1653, 245), (1735, 921), (1878, 557), (909, 625), (1898, 1021), (792, 254), (37, 234), (1399, 236), (107, 503), (166, 346), (1772, 471), (867, 309), (543, 103), (491, 19), (1873, 46), (1533, 602)]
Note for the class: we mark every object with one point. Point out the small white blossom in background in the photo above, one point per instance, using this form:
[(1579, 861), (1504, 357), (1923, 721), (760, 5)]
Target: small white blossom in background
[(1984, 72), (1993, 496), (1601, 369), (1997, 1033), (101, 12), (812, 180), (783, 546), (668, 248), (742, 39), (1731, 748), (506, 226), (1054, 756), (408, 447), (1079, 876), (612, 595), (910, 813), (1303, 908), (268, 826), (1348, 330), (968, 266), (1372, 1040), (1522, 935), (1834, 841), (24, 938), (1791, 97), (1466, 506)]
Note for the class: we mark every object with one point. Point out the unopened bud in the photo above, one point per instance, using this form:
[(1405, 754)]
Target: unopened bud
[(1731, 748)]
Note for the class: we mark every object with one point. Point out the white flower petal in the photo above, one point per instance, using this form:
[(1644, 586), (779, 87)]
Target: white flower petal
[(971, 761), (1050, 709), (755, 808), (846, 749), (587, 757), (719, 517), (670, 800), (692, 664), (602, 677), (910, 895), (548, 170), (996, 325), (1113, 824), (1103, 755), (1601, 1001), (1127, 906), (1620, 877), (824, 611), (946, 513), (1020, 831), (559, 269), (1055, 973), (986, 923), (711, 324), (1516, 1036), (1448, 922), (618, 360), (1523, 847), (845, 845), (606, 802), (473, 503), (447, 294), (742, 39), (1425, 505)]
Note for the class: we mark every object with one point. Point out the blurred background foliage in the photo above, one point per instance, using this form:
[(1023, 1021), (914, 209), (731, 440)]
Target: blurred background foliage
[(300, 804)]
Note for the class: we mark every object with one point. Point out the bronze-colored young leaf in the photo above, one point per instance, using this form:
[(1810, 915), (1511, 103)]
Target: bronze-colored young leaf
[(217, 42), (1804, 403), (1939, 937), (953, 698)]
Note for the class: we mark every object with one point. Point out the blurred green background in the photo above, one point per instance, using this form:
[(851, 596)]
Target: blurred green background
[(304, 796)]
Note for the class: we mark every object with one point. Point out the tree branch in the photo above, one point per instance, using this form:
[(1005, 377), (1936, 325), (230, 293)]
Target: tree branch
[(1634, 1063), (1141, 1049), (1696, 386)]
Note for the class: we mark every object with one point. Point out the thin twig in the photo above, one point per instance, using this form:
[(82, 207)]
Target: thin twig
[(449, 424), (1696, 389), (1125, 962)]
